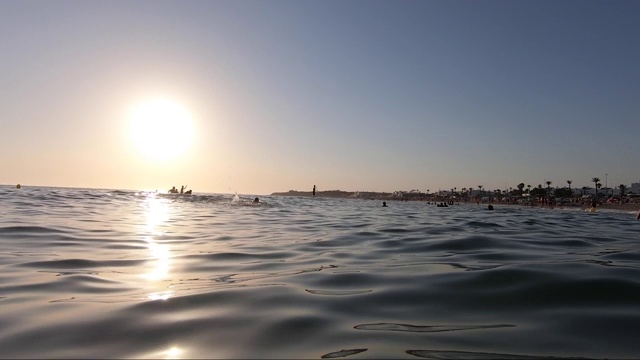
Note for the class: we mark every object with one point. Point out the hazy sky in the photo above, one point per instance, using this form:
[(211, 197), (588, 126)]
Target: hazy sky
[(351, 95)]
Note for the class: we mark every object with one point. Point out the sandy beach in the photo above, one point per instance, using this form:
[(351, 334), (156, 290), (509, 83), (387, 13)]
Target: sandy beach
[(618, 207)]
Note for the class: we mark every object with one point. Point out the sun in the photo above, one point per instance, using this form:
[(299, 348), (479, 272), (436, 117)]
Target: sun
[(161, 129)]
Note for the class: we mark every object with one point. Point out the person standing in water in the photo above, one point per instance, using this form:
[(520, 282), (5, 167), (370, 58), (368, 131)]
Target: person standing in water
[(314, 191)]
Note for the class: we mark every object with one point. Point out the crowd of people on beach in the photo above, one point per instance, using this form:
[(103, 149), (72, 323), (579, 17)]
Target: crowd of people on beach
[(587, 203)]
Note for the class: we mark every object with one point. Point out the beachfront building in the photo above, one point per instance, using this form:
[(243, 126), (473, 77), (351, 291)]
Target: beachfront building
[(635, 188)]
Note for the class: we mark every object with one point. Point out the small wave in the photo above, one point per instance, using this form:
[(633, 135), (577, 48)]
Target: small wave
[(342, 353), (483, 224), (433, 328), (473, 243), (29, 229), (81, 263), (467, 355), (337, 292)]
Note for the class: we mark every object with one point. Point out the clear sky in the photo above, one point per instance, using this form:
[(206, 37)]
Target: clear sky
[(264, 96)]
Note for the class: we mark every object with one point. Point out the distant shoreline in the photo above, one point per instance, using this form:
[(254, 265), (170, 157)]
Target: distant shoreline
[(389, 196), (339, 194)]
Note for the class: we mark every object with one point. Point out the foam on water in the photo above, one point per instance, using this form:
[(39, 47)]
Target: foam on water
[(123, 274)]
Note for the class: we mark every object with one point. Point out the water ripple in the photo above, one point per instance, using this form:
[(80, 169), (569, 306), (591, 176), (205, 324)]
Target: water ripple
[(420, 328)]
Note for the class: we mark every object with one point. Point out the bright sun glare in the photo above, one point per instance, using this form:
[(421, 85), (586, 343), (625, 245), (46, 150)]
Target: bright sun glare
[(161, 130)]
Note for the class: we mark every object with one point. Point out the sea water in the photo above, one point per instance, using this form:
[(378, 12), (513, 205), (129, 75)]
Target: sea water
[(88, 273)]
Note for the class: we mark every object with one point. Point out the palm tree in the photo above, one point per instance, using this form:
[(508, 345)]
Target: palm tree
[(570, 182), (596, 180), (623, 189), (548, 190), (480, 187)]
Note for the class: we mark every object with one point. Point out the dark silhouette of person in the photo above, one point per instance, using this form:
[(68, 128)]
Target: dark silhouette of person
[(173, 190), (256, 201), (384, 204), (490, 207), (314, 190), (182, 189)]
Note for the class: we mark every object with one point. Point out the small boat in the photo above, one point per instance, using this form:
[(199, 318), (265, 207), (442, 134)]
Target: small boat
[(176, 194)]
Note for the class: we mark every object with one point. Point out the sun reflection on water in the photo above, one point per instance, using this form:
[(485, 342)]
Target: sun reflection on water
[(163, 295), (173, 353), (162, 260), (157, 213)]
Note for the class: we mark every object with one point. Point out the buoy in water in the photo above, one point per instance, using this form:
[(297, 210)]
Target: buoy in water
[(18, 186)]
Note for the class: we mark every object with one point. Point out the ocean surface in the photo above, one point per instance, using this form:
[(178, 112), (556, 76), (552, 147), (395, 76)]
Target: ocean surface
[(88, 273)]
